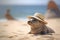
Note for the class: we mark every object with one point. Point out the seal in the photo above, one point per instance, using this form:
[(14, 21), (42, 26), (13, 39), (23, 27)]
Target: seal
[(38, 25)]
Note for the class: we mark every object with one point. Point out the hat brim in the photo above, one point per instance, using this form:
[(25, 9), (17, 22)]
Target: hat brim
[(31, 17)]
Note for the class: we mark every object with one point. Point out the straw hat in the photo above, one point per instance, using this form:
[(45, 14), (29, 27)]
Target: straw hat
[(38, 16)]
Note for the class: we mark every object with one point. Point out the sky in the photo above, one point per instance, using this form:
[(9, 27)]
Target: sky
[(26, 2)]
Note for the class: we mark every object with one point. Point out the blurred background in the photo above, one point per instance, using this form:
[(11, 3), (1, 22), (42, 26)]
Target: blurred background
[(20, 9)]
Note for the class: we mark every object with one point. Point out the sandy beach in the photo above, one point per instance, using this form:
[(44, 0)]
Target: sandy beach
[(15, 29), (18, 30), (54, 24)]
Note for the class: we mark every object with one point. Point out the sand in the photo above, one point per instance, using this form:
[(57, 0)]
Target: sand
[(54, 24), (18, 30)]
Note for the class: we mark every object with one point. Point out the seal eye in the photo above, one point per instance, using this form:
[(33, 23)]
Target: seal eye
[(33, 20)]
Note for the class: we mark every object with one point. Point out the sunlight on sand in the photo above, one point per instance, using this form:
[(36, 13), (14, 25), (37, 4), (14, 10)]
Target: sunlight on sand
[(18, 30), (54, 24), (14, 27)]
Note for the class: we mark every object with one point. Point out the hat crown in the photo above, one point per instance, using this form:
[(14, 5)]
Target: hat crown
[(39, 15)]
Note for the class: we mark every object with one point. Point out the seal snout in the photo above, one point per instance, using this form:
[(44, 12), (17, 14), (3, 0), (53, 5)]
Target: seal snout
[(29, 22)]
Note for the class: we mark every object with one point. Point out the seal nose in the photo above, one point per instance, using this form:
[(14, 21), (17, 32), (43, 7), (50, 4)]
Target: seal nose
[(28, 22)]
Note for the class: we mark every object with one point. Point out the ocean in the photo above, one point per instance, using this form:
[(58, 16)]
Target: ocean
[(22, 11)]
